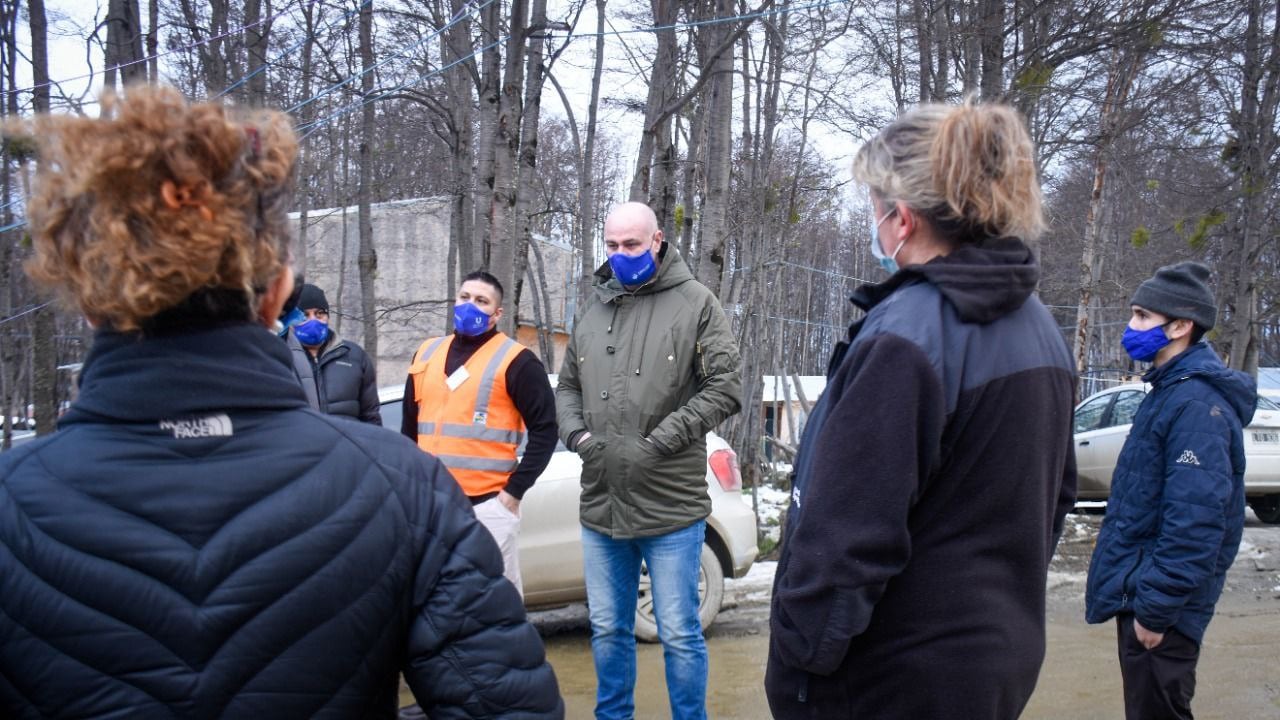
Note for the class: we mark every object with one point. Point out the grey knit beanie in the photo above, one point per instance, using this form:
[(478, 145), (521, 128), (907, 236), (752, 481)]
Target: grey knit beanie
[(1179, 291)]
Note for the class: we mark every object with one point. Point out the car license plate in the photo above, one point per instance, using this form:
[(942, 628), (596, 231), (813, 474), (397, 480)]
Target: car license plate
[(1270, 438)]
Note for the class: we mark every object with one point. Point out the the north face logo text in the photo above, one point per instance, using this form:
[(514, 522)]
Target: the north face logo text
[(1188, 458), (212, 426)]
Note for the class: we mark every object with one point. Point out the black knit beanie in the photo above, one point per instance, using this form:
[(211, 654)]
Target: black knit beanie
[(1179, 291), (312, 298)]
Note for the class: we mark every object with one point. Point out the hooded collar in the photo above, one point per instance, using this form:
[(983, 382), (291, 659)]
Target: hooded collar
[(672, 271), (983, 282), (1202, 362), (128, 377)]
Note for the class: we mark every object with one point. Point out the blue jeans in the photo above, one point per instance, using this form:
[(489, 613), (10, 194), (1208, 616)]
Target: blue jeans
[(612, 569)]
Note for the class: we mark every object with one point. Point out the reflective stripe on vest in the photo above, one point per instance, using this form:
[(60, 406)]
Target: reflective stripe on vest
[(474, 428), (463, 462), (472, 432)]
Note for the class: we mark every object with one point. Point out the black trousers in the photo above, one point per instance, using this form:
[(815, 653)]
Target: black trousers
[(1158, 683)]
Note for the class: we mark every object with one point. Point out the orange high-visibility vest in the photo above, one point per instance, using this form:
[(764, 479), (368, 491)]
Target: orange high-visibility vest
[(475, 428)]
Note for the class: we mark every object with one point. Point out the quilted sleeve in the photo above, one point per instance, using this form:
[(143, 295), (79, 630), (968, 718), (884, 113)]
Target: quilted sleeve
[(471, 651)]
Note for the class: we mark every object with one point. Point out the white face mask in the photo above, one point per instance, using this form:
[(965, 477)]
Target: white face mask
[(888, 262)]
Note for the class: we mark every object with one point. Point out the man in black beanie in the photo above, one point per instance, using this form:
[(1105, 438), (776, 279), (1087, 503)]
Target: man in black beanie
[(336, 375), (1176, 511)]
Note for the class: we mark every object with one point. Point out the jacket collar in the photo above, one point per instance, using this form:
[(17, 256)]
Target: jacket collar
[(131, 378), (672, 271), (983, 282), (1202, 362)]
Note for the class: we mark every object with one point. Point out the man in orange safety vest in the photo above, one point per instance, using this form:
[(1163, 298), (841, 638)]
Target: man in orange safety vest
[(468, 400)]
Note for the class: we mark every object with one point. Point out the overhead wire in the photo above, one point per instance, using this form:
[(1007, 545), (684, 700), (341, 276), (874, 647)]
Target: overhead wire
[(157, 56), (310, 127)]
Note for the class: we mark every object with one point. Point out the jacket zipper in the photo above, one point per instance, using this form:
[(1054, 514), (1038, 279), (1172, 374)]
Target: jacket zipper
[(803, 695)]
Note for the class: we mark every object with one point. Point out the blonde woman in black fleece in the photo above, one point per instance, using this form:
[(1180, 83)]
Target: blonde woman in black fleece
[(936, 469)]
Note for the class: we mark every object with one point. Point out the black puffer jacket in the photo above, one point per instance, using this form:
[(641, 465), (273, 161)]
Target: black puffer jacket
[(194, 542), (343, 381)]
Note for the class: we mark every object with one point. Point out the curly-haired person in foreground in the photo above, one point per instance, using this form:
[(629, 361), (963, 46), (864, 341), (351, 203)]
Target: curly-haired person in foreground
[(195, 541)]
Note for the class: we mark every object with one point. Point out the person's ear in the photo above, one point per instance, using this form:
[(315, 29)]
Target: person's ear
[(907, 222), (271, 304), (497, 315), (1179, 329)]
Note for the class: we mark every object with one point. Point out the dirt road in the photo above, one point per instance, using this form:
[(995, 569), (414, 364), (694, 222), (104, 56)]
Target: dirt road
[(1239, 672)]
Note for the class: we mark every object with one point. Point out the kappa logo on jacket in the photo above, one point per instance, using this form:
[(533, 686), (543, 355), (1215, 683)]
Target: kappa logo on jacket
[(211, 426), (1188, 458)]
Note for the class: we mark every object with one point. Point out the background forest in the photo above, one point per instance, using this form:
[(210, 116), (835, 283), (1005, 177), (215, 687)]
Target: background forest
[(1155, 122)]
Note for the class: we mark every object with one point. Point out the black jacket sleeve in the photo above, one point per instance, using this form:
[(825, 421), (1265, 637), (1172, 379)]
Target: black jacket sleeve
[(535, 400), (471, 652), (409, 413)]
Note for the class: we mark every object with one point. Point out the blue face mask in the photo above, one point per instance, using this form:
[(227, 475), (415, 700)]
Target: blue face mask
[(888, 262), (633, 270), (469, 319), (1142, 345), (295, 317), (312, 332)]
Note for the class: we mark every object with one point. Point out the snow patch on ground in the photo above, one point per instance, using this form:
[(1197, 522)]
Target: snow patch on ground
[(755, 586), (1061, 580), (772, 502)]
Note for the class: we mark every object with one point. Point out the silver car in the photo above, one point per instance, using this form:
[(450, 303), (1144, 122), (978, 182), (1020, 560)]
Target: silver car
[(1102, 423), (551, 535)]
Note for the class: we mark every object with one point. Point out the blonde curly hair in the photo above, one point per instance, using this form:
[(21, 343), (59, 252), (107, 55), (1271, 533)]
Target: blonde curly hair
[(969, 168), (159, 201)]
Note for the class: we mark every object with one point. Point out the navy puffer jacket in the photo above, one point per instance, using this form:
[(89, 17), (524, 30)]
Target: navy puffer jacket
[(195, 542), (1176, 511)]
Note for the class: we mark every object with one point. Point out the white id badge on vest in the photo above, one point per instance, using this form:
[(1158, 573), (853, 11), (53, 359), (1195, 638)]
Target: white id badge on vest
[(458, 377)]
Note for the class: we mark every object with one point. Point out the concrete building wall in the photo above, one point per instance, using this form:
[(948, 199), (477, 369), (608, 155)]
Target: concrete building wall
[(411, 238)]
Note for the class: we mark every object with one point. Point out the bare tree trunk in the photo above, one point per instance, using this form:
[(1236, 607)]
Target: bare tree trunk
[(527, 167), (502, 213), (542, 305), (368, 257), (458, 81), (711, 245), (213, 61), (1124, 68), (44, 350), (124, 43), (923, 11), (257, 38), (490, 92), (304, 150), (586, 177), (1255, 130), (10, 358), (153, 41), (992, 42), (662, 84)]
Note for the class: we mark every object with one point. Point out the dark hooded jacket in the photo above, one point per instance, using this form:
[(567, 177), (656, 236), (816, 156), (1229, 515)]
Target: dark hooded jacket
[(930, 489), (1176, 511), (194, 542)]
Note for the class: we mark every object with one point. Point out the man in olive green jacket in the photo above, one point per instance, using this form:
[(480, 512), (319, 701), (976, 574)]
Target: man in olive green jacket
[(652, 367)]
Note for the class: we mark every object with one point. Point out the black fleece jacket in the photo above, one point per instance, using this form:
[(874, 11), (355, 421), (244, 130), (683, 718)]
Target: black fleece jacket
[(929, 494), (534, 399)]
